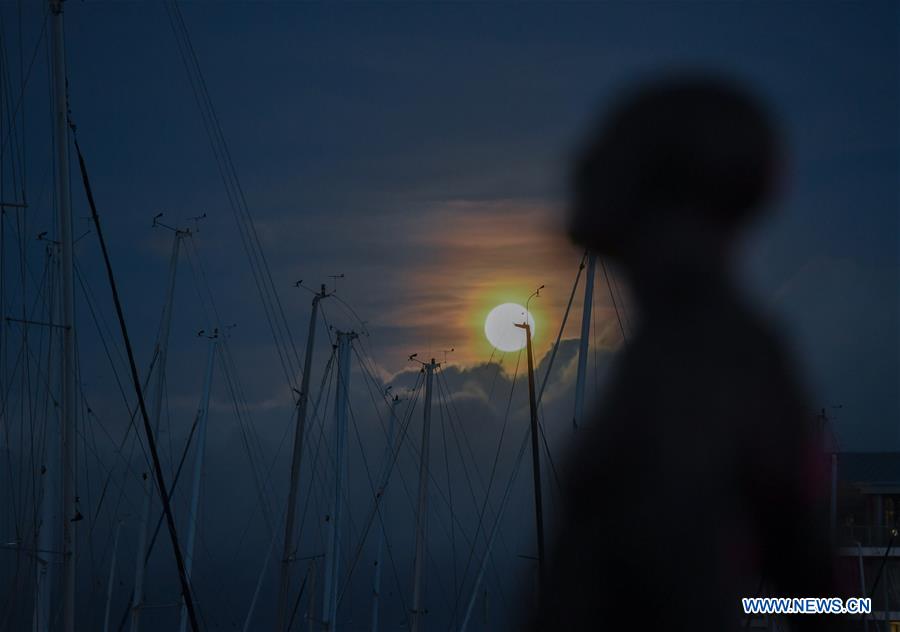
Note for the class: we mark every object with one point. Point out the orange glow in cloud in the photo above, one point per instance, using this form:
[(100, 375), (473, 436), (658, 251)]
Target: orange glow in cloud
[(486, 254)]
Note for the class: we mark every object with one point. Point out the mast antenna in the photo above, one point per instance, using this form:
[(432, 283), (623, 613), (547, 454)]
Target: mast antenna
[(160, 223), (197, 219), (334, 278)]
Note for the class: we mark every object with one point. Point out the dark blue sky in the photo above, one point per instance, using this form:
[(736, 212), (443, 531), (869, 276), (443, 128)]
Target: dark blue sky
[(422, 150), (372, 139)]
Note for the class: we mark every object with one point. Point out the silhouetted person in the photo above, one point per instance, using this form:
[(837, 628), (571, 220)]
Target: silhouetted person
[(701, 471)]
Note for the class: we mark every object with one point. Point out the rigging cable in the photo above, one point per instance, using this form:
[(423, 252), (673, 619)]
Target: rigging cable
[(388, 469), (262, 473), (524, 444), (487, 493), (268, 294), (239, 400), (414, 451), (22, 359), (151, 441), (442, 384), (613, 298), (373, 489), (324, 388), (21, 96), (441, 409)]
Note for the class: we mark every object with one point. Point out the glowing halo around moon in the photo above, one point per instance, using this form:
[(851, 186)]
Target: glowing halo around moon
[(500, 326)]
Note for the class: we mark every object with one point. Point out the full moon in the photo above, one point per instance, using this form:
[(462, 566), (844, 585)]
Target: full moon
[(500, 326)]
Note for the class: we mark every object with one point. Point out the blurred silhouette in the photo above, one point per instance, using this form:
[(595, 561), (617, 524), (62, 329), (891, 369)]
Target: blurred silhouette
[(701, 478)]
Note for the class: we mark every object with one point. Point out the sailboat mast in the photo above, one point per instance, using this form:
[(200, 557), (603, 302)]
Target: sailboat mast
[(193, 515), (162, 354), (422, 512), (290, 518), (536, 460), (379, 546), (67, 399), (583, 341), (332, 553)]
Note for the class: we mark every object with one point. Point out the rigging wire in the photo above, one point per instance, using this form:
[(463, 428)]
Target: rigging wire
[(451, 409), (376, 512), (524, 443), (262, 474), (454, 519), (325, 390), (268, 294), (21, 360), (15, 110), (441, 407), (34, 400), (613, 299), (487, 494), (414, 451), (442, 382), (133, 411), (25, 353), (229, 368), (151, 441), (556, 344)]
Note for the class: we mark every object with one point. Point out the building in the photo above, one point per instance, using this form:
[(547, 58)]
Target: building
[(866, 526)]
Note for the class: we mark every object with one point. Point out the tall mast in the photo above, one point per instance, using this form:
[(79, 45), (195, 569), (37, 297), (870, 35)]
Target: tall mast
[(302, 405), (137, 602), (67, 399), (583, 342), (379, 546), (193, 515), (333, 524), (535, 458), (504, 502), (422, 512)]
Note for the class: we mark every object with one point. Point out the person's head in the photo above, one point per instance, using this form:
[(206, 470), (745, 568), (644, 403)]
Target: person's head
[(696, 150)]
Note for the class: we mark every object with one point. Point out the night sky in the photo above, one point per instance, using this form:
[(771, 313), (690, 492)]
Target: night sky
[(422, 150)]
